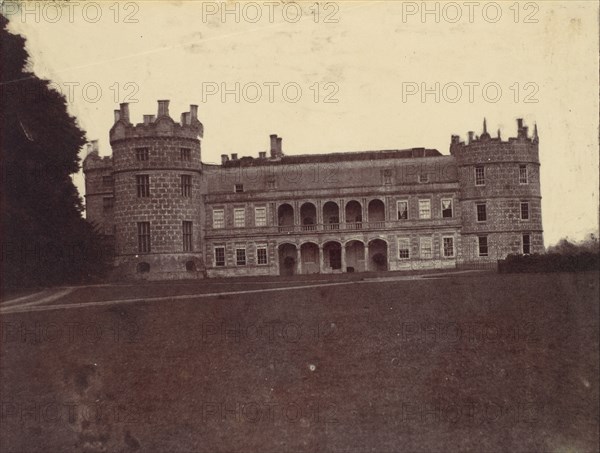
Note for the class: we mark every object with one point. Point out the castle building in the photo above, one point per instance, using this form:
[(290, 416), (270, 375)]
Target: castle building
[(169, 215)]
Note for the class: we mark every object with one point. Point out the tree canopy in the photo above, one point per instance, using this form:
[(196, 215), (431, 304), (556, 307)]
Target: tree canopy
[(45, 239)]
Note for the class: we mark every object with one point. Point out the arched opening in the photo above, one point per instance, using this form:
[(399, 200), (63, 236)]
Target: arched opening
[(308, 217), (190, 266), (355, 256), (143, 267), (309, 255), (353, 215), (378, 255), (285, 214), (332, 256), (376, 212), (287, 259), (331, 216)]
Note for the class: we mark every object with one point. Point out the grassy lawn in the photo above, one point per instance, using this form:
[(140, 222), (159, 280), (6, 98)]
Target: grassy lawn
[(480, 362)]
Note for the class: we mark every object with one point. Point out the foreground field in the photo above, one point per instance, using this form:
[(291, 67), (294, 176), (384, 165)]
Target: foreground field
[(474, 362)]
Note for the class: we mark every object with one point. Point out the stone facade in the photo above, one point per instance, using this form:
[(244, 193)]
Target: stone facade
[(172, 216)]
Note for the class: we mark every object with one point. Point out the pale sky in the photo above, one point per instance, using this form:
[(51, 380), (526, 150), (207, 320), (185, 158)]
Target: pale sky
[(365, 55)]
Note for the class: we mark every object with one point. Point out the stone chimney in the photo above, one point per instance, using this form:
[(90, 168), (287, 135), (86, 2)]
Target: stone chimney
[(233, 156), (224, 159), (148, 119), (279, 149), (273, 148), (185, 118), (193, 113), (124, 113), (163, 108), (262, 155), (471, 136), (95, 147)]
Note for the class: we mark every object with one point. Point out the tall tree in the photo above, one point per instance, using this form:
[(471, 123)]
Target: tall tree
[(45, 240)]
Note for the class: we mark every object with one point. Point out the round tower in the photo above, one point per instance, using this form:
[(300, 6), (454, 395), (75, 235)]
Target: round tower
[(157, 194), (499, 194)]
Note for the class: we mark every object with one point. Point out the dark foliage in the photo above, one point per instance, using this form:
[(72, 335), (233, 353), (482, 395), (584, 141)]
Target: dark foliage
[(550, 262), (45, 240)]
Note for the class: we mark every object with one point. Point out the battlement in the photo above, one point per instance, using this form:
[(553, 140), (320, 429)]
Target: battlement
[(485, 148), (522, 136), (93, 160), (159, 125)]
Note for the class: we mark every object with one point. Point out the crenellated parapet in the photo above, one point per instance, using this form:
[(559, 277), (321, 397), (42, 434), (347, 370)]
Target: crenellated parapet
[(160, 125)]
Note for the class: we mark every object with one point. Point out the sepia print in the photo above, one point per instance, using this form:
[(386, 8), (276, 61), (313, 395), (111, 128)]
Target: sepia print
[(415, 268)]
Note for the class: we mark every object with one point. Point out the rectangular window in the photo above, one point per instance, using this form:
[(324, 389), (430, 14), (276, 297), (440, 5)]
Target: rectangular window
[(107, 181), (142, 154), (523, 174), (524, 210), (239, 217), (261, 254), (218, 218), (260, 217), (480, 175), (186, 186), (220, 256), (108, 203), (483, 246), (143, 185), (187, 236), (423, 177), (271, 183), (447, 208), (240, 256), (403, 210), (239, 188), (404, 248), (526, 244), (448, 245), (185, 154), (481, 212), (424, 209), (426, 247), (143, 231)]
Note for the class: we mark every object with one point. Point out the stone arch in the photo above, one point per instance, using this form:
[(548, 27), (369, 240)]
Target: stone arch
[(308, 216), (332, 256), (285, 215), (378, 255), (376, 210), (355, 256), (353, 214), (288, 260), (310, 258), (331, 216)]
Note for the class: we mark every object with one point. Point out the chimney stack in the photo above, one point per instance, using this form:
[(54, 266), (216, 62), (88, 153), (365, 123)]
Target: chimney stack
[(148, 119), (124, 113), (519, 123), (233, 156), (117, 115), (185, 118), (273, 148), (471, 136), (279, 150), (95, 148), (262, 155), (163, 108), (224, 159), (193, 113)]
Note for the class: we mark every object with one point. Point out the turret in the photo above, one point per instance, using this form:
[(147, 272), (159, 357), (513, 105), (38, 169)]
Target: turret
[(499, 193), (157, 183)]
